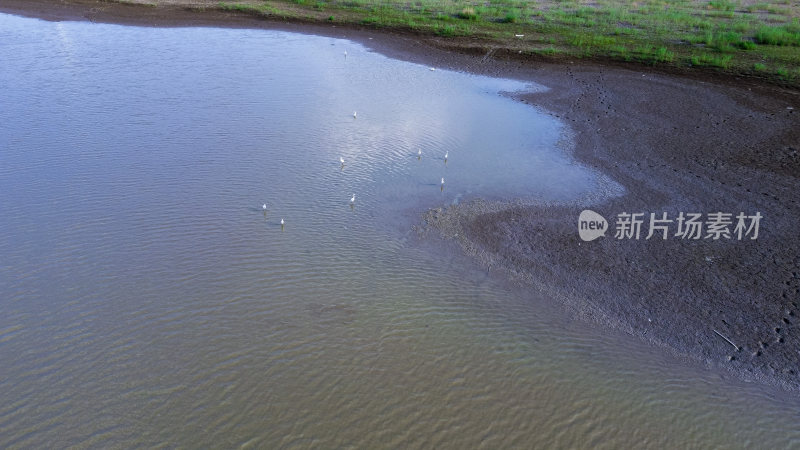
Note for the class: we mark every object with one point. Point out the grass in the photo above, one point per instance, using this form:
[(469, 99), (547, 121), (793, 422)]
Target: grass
[(733, 36), (468, 13), (722, 5), (706, 60), (782, 35)]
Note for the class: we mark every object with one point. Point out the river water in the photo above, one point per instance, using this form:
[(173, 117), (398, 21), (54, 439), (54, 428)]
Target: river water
[(147, 299)]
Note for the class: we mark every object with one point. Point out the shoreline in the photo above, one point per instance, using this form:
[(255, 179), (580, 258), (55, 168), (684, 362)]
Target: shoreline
[(736, 151), (676, 144), (200, 13)]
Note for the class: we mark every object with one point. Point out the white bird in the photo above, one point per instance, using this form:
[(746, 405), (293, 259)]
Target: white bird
[(264, 206), (354, 114), (442, 181), (446, 154), (281, 222), (341, 160), (419, 152), (353, 199), (345, 53), (432, 69)]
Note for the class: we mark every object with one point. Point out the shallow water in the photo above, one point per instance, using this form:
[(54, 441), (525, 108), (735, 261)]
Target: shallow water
[(147, 300)]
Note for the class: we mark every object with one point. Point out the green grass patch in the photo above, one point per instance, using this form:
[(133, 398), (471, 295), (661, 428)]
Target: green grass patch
[(732, 35), (783, 73), (468, 14), (722, 5), (446, 30), (663, 55), (548, 51), (510, 17), (778, 35), (746, 45), (707, 60)]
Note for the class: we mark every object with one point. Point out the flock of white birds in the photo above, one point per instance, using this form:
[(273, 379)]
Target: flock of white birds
[(341, 160)]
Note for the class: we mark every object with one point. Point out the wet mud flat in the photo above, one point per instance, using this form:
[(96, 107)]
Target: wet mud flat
[(701, 143), (676, 145)]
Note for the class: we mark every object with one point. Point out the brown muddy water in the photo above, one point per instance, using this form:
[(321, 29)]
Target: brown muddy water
[(147, 300)]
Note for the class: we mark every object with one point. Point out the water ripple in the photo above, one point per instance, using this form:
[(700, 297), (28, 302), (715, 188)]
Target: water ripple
[(149, 301)]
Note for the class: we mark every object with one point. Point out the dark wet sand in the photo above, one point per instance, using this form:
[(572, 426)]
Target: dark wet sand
[(675, 145), (697, 143)]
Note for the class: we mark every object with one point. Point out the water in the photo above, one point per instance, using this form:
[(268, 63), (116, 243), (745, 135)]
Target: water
[(147, 300)]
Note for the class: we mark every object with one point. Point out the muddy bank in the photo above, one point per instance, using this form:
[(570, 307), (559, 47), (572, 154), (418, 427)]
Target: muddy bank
[(704, 144), (676, 146)]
